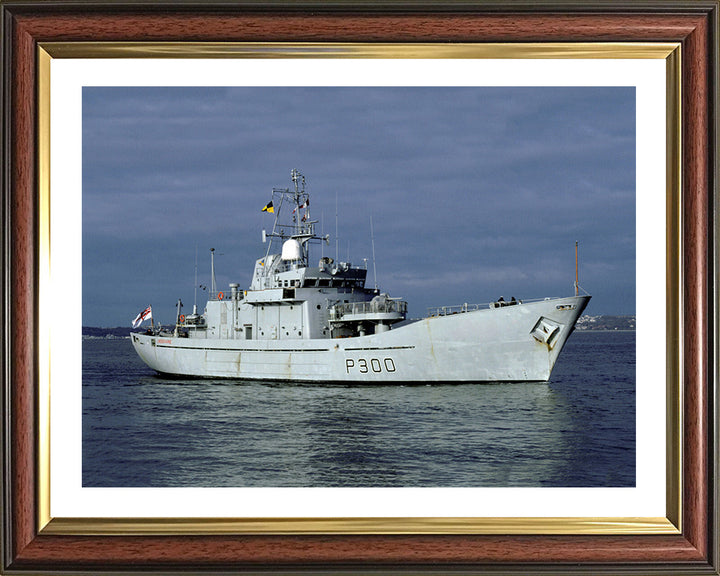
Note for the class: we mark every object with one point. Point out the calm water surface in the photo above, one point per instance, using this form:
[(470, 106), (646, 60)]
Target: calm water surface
[(576, 430)]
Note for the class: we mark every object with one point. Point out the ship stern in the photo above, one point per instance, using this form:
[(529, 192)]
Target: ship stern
[(144, 345)]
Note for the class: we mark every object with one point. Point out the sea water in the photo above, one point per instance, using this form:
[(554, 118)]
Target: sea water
[(577, 430)]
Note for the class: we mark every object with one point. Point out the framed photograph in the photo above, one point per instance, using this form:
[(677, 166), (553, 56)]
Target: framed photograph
[(91, 91)]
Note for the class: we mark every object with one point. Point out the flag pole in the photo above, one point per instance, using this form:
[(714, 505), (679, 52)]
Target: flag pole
[(576, 268)]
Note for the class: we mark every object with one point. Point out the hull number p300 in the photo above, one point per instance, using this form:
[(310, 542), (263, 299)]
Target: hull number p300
[(363, 365)]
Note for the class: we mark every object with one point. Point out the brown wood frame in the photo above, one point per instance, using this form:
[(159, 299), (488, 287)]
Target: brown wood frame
[(692, 23)]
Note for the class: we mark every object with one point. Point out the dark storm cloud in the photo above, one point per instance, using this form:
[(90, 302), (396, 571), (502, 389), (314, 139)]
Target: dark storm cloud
[(473, 192)]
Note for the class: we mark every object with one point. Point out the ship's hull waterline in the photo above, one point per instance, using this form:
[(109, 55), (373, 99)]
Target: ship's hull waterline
[(514, 343)]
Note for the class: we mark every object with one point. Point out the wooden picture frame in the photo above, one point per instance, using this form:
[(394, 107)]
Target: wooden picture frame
[(30, 546)]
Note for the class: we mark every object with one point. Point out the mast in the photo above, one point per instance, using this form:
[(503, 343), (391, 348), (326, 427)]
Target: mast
[(177, 316), (212, 272), (298, 225), (372, 239), (296, 176), (196, 284)]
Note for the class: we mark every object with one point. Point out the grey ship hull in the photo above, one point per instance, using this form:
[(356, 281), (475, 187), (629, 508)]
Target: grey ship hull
[(503, 344)]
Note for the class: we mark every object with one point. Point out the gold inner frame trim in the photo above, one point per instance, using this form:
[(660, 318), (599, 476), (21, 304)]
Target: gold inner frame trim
[(420, 525), (673, 311), (611, 50), (289, 526), (44, 303)]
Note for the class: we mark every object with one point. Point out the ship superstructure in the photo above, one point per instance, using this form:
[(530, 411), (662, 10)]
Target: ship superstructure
[(320, 323)]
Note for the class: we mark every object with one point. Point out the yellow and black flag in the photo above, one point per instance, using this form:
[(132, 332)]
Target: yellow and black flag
[(268, 207)]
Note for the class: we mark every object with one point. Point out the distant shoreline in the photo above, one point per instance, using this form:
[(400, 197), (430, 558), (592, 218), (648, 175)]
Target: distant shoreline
[(605, 323)]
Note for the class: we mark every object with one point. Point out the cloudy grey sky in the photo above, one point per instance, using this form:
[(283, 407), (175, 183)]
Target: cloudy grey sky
[(474, 192)]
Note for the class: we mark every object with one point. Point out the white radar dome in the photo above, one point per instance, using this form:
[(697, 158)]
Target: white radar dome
[(291, 250)]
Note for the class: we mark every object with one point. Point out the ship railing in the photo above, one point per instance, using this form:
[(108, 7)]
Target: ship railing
[(384, 307), (225, 295), (459, 309), (463, 308)]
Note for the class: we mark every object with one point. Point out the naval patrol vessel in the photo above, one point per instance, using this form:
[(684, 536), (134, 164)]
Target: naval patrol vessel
[(299, 322)]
